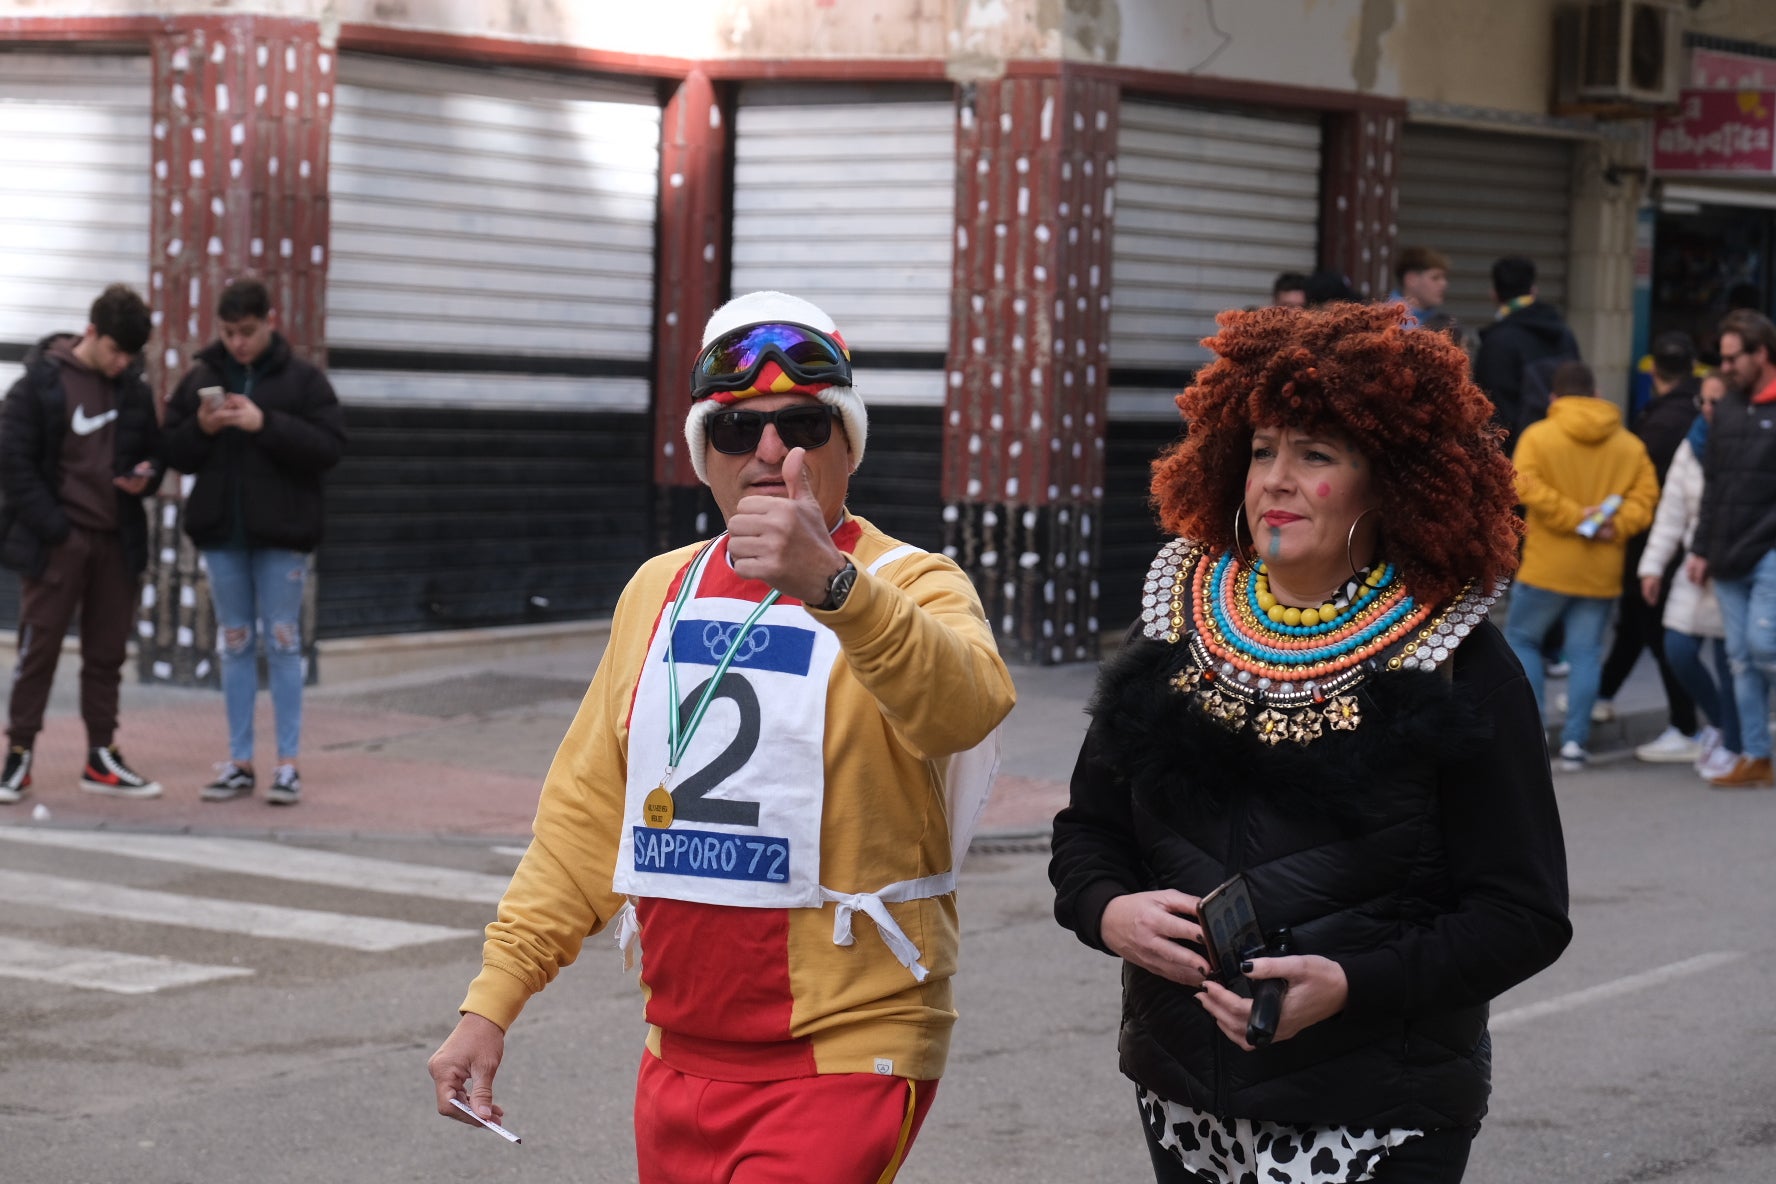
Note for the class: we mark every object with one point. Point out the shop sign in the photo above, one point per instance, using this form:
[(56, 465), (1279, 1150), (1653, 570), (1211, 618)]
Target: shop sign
[(1718, 131), (1712, 69)]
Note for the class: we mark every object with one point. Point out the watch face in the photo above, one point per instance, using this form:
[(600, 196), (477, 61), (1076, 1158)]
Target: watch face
[(840, 587)]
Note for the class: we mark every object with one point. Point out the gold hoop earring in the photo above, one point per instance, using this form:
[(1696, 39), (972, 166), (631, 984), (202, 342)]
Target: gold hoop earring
[(1238, 550), (1350, 539)]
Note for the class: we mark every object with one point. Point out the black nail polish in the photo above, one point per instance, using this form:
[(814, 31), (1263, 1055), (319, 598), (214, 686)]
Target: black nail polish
[(1245, 968)]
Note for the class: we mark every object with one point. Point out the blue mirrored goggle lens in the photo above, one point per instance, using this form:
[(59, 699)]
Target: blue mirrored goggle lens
[(731, 361), (738, 354)]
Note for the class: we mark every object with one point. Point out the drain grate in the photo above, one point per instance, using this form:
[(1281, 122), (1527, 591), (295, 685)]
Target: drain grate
[(469, 694), (1030, 844)]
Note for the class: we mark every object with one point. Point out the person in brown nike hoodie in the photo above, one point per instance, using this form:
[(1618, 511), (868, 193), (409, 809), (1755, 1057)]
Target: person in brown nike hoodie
[(79, 449)]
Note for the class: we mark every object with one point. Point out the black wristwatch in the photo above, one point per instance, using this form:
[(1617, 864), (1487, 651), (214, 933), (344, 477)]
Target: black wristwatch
[(838, 589)]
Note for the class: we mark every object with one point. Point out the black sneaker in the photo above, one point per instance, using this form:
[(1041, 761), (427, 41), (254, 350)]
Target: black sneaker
[(17, 778), (285, 788), (231, 782), (106, 772)]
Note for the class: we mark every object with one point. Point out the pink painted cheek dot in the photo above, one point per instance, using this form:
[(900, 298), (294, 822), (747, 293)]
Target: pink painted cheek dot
[(1324, 489)]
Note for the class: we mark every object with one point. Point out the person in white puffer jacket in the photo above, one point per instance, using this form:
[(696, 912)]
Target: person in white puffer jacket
[(1692, 611)]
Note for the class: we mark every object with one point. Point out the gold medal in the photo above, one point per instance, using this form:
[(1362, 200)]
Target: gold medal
[(656, 808)]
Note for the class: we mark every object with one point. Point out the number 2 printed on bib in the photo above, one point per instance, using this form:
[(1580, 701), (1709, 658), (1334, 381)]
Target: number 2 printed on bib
[(743, 820)]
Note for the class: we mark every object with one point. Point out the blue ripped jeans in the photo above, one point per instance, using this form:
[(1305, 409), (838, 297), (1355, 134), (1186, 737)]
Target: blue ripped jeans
[(259, 589), (1748, 606)]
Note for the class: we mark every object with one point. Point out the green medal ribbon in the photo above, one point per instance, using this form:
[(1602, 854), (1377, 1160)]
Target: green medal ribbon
[(678, 739)]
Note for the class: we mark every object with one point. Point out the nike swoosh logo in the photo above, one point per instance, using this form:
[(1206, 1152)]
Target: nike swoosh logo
[(85, 425)]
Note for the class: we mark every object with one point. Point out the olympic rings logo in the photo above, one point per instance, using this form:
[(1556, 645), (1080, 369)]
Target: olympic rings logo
[(718, 639)]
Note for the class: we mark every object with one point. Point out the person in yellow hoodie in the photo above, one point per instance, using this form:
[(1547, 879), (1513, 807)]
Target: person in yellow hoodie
[(782, 741), (1587, 486)]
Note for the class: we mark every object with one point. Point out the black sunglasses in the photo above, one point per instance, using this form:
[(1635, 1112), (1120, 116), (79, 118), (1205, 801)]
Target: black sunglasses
[(803, 426)]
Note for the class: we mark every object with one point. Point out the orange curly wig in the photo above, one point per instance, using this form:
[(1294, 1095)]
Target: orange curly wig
[(1402, 397)]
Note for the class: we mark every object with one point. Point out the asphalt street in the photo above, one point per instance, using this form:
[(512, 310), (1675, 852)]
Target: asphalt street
[(296, 1050)]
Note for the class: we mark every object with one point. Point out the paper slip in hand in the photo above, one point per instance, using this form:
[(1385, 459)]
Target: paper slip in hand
[(495, 1127)]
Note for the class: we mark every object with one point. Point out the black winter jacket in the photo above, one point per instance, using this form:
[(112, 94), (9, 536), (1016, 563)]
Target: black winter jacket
[(271, 477), (1737, 525), (1664, 422), (1529, 334), (33, 423), (1421, 851)]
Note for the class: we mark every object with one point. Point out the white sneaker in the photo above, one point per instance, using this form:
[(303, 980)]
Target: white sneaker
[(1572, 758), (1670, 747), (1559, 668), (1719, 763), (1603, 711), (1709, 739)]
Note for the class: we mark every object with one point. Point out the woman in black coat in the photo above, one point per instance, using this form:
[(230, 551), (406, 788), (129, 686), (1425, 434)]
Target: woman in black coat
[(1318, 710)]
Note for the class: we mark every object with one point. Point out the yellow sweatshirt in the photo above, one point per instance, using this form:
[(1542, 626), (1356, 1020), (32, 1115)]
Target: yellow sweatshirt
[(1567, 464), (744, 994)]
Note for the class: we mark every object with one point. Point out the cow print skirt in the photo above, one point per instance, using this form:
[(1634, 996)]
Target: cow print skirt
[(1245, 1151)]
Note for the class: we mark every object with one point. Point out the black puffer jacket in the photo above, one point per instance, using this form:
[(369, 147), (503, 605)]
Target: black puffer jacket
[(272, 477), (1664, 422), (1737, 525), (1529, 334), (1422, 852), (32, 426)]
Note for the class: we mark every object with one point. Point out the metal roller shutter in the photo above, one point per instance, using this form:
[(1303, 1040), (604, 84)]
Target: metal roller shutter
[(497, 222), (1476, 196), (1210, 206), (869, 240), (490, 307), (75, 170), (76, 162)]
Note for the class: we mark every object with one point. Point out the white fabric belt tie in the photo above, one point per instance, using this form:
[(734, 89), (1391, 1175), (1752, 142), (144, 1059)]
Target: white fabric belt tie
[(875, 905), (627, 928)]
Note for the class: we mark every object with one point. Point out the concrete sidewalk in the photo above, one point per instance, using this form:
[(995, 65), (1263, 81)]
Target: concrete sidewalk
[(461, 750)]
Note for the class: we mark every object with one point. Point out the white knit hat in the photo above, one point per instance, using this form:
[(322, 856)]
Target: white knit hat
[(761, 308)]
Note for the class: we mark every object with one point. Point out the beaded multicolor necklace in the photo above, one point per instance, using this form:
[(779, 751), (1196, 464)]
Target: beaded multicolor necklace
[(1287, 673)]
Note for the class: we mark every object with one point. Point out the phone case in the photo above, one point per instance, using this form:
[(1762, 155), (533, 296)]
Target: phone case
[(1230, 926)]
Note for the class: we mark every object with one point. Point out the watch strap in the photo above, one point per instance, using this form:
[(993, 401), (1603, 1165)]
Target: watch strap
[(838, 588)]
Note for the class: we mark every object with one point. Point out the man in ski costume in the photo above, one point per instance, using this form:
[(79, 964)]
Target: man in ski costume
[(791, 726)]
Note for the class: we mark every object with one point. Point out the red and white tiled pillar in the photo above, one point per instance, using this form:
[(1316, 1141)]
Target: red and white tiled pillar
[(1024, 419), (1360, 195), (693, 255), (243, 107)]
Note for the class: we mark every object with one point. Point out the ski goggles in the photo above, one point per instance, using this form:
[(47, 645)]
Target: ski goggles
[(732, 362), (736, 433)]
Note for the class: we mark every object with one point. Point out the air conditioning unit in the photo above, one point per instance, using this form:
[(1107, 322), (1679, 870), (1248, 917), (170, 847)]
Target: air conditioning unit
[(1614, 52)]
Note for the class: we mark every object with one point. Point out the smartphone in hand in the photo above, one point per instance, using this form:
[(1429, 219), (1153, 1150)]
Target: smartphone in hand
[(212, 396), (1231, 933)]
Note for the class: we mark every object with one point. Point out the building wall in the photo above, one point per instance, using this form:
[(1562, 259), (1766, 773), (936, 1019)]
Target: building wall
[(1350, 65), (1488, 53), (1739, 20)]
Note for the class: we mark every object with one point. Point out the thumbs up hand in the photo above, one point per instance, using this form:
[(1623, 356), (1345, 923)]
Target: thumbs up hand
[(785, 539)]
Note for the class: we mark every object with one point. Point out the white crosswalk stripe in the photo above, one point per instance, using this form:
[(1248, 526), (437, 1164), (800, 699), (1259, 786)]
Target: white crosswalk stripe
[(103, 970), (279, 862), (30, 957), (349, 931)]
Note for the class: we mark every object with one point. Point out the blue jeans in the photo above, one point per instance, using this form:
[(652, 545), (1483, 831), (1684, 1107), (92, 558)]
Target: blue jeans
[(1533, 612), (1749, 608), (259, 589), (1711, 689)]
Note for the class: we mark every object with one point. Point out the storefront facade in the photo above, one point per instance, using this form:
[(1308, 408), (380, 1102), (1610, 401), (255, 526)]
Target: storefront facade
[(1714, 223), (503, 242)]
